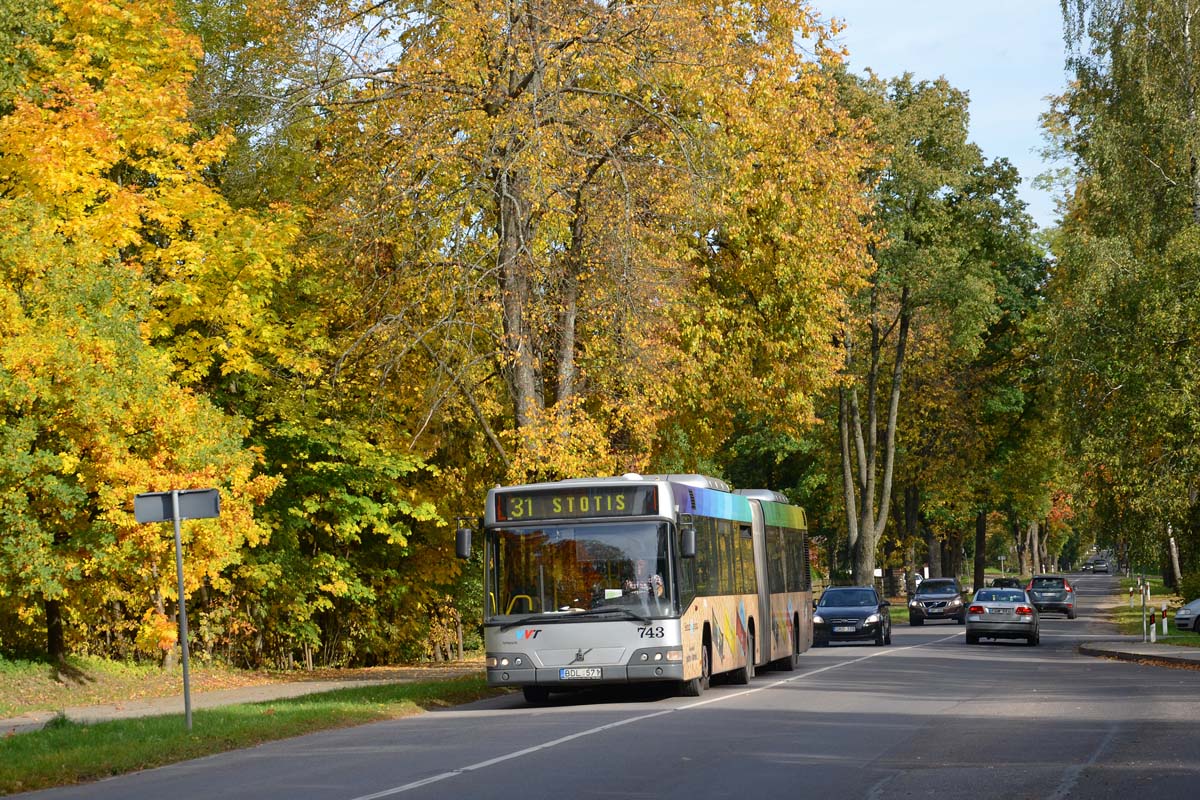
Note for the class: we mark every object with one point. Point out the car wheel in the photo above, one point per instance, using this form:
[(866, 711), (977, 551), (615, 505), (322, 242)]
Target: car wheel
[(915, 621), (879, 637), (1034, 639), (888, 638), (1071, 614), (972, 638), (962, 618), (535, 695)]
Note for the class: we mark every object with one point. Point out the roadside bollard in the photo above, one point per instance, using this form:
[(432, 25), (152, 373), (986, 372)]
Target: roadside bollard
[(1153, 628), (1131, 597), (1164, 618)]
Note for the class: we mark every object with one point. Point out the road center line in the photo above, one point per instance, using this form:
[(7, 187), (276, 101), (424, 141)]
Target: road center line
[(1071, 776), (629, 720)]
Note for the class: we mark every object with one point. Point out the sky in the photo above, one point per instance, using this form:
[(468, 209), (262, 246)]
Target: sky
[(1006, 54)]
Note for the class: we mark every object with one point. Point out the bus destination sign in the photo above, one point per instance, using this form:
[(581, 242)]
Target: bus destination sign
[(573, 503)]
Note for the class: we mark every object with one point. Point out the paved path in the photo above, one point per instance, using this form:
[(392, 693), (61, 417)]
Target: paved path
[(36, 720)]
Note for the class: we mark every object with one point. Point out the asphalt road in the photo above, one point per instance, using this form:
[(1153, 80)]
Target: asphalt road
[(928, 716)]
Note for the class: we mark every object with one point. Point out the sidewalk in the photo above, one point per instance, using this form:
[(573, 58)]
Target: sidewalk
[(36, 720), (1145, 653)]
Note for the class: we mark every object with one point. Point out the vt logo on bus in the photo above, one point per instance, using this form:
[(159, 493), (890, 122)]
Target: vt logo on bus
[(528, 633)]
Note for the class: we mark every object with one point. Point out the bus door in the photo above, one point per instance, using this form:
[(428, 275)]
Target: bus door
[(762, 624)]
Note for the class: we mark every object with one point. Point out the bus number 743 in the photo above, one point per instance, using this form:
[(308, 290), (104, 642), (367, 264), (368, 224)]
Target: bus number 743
[(655, 632)]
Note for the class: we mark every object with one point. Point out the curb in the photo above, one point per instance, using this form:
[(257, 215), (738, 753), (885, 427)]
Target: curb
[(1157, 659)]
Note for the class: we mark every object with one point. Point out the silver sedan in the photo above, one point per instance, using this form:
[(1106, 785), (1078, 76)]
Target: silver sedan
[(1002, 614), (1188, 617)]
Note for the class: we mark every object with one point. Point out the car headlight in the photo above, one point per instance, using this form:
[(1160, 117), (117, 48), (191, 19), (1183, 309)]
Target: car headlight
[(872, 618), (957, 601), (914, 602), (817, 619)]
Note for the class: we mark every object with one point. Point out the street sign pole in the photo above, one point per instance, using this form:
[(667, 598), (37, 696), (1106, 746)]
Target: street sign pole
[(177, 505), (183, 626)]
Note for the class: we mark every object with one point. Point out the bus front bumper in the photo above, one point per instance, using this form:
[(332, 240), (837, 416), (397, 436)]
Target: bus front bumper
[(558, 676), (645, 665)]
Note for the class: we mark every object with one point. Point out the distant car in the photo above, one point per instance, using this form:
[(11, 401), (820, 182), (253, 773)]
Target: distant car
[(1006, 583), (1052, 593), (1188, 617), (1003, 614), (1085, 566), (937, 598), (1100, 565), (850, 614)]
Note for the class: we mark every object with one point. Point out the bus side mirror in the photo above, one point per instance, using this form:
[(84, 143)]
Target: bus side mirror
[(462, 542), (687, 541)]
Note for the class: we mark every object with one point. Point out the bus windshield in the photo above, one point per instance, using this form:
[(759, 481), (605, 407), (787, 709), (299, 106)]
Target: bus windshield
[(571, 568)]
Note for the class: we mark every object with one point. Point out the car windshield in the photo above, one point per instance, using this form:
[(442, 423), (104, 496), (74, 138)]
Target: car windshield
[(848, 598), (1047, 583), (938, 587), (1000, 596), (581, 567)]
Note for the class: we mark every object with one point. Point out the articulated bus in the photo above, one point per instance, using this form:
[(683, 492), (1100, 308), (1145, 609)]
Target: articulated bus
[(595, 581)]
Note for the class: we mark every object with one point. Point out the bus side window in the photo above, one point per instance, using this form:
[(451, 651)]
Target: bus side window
[(705, 553)]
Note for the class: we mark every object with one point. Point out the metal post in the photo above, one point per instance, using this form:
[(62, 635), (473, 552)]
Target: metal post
[(183, 626), (1142, 587)]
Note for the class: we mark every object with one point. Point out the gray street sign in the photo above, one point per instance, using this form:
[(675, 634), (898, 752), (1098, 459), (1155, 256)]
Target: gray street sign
[(193, 504), (178, 505)]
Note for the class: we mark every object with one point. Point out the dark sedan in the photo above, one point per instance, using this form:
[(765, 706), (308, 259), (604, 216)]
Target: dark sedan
[(1052, 593), (852, 614), (937, 598)]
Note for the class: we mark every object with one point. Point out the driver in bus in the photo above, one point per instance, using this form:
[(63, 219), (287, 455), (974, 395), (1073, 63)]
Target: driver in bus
[(644, 581)]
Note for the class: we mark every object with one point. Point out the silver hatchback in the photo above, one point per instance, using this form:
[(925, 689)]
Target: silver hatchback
[(1002, 614)]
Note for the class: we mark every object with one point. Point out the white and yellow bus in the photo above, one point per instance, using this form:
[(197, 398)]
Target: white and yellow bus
[(640, 578)]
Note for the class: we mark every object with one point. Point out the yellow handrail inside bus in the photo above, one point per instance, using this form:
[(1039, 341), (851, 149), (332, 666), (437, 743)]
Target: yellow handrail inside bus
[(492, 595), (514, 600)]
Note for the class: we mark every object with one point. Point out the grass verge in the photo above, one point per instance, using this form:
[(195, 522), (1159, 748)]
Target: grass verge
[(1129, 620), (65, 752)]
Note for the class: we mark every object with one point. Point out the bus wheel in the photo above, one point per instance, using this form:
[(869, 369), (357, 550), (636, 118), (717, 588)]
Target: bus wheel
[(696, 685), (789, 662), (742, 675), (535, 695)]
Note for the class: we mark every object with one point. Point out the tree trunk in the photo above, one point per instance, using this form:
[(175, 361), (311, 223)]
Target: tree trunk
[(980, 549), (1035, 548), (56, 643), (1022, 550), (513, 232), (912, 530), (934, 557), (955, 567), (1176, 577), (872, 522)]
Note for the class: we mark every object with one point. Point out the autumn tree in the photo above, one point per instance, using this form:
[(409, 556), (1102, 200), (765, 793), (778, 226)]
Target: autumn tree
[(584, 218), (125, 276)]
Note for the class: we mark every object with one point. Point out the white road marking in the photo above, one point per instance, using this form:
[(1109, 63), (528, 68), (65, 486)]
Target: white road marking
[(1071, 776), (555, 742)]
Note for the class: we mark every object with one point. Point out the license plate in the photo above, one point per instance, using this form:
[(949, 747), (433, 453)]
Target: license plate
[(579, 673), (844, 629), (999, 610)]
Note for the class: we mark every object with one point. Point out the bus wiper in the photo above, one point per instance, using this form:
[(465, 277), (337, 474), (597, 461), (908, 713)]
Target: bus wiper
[(564, 616), (625, 612), (542, 617)]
